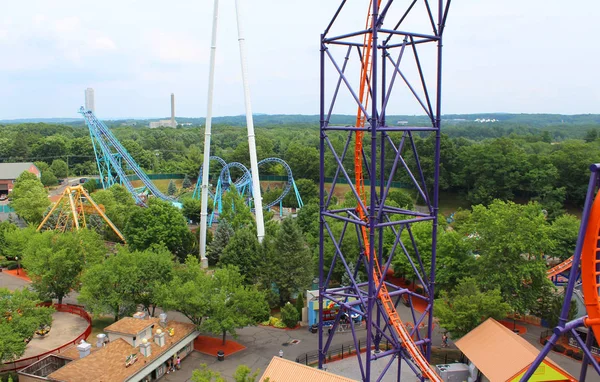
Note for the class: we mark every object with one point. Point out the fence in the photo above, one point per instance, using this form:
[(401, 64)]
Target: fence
[(157, 176), (66, 308), (524, 318)]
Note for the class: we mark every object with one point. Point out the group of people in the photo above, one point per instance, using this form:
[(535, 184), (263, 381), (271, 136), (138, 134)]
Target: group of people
[(173, 365)]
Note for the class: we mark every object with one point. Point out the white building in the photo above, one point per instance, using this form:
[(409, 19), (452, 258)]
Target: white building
[(89, 100), (163, 123)]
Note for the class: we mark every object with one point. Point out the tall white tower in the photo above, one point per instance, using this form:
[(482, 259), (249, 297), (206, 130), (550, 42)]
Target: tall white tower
[(89, 100)]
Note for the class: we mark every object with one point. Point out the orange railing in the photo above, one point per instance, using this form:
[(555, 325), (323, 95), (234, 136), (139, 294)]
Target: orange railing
[(65, 308)]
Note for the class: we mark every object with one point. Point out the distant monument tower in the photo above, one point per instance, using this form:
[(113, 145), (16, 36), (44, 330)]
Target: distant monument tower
[(89, 100), (173, 124)]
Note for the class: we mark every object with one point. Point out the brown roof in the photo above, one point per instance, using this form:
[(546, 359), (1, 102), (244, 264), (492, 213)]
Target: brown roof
[(499, 353), (108, 363), (72, 352), (281, 369), (130, 325)]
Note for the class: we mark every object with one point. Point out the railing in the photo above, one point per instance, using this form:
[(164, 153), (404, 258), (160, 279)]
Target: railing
[(65, 308), (525, 318)]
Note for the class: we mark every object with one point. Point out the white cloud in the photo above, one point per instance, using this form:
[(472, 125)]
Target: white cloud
[(105, 43)]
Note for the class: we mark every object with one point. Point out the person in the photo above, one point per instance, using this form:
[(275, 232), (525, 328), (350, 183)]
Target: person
[(168, 366), (445, 340), (178, 363), (280, 353)]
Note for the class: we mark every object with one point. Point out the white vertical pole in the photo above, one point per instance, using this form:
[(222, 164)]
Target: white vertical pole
[(260, 224), (207, 132)]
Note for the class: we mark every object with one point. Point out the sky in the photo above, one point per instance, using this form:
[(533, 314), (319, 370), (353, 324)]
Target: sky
[(534, 56)]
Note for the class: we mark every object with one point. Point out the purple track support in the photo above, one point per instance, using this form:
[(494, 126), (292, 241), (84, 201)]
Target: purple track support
[(388, 227), (565, 327)]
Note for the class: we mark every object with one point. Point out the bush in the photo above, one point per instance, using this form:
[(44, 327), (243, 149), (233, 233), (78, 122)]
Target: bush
[(569, 352), (12, 265), (544, 341), (578, 355), (558, 348), (300, 304), (289, 315)]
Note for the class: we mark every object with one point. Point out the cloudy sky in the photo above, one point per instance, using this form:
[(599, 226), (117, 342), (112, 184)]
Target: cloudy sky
[(534, 56)]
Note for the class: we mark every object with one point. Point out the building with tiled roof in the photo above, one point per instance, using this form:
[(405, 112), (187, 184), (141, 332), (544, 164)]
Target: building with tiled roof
[(11, 171), (137, 349), (281, 369)]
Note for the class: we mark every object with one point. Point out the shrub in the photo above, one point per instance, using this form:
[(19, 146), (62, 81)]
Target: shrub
[(289, 315), (544, 341), (578, 355), (558, 348), (300, 304), (12, 265), (279, 324), (569, 352)]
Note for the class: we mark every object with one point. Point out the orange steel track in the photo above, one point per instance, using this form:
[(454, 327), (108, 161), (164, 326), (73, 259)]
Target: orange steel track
[(590, 268), (384, 297), (560, 268)]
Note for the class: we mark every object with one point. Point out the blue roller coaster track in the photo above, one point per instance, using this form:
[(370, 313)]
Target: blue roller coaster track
[(110, 155), (244, 184)]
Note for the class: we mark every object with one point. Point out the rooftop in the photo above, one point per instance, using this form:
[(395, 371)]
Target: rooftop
[(501, 354), (107, 364), (130, 325), (281, 369), (13, 170)]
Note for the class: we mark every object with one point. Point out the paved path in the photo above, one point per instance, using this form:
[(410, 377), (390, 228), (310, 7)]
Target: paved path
[(65, 328)]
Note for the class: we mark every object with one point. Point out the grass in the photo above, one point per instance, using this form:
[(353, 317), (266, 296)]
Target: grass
[(99, 323), (161, 184)]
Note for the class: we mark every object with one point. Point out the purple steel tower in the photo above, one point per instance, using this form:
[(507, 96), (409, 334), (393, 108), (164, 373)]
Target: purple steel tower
[(370, 231)]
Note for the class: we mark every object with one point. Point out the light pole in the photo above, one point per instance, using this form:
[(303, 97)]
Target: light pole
[(17, 258)]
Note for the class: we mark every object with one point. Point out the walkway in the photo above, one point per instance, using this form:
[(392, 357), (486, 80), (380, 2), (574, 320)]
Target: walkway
[(65, 328)]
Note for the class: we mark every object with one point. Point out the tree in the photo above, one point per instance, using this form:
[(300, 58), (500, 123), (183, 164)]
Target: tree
[(217, 303), (289, 265), (466, 306), (7, 229), (91, 185), (513, 238), (126, 280), (29, 198), (564, 231), (289, 315), (159, 223), (172, 189), (223, 234), (59, 168), (243, 251), (244, 374), (235, 210), (204, 374), (300, 303), (402, 197), (191, 209), (20, 317), (591, 135), (187, 183), (48, 178), (55, 261)]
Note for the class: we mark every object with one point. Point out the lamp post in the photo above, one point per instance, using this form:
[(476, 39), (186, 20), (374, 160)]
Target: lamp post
[(17, 258)]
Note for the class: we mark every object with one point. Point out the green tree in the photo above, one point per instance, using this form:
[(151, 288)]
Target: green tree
[(7, 229), (244, 374), (591, 135), (29, 198), (204, 374), (187, 183), (402, 197), (300, 303), (289, 265), (217, 303), (21, 317), (107, 287), (152, 269), (564, 231), (289, 315), (159, 223), (48, 178), (513, 238), (191, 209), (223, 234), (465, 307), (171, 189), (91, 185), (59, 168), (243, 251), (235, 210), (232, 304), (55, 261)]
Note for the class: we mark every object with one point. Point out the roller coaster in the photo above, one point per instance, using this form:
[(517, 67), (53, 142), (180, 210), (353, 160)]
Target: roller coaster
[(114, 162), (243, 184)]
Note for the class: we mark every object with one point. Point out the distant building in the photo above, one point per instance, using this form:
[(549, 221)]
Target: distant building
[(136, 349), (89, 100), (11, 171), (163, 123), (166, 122)]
